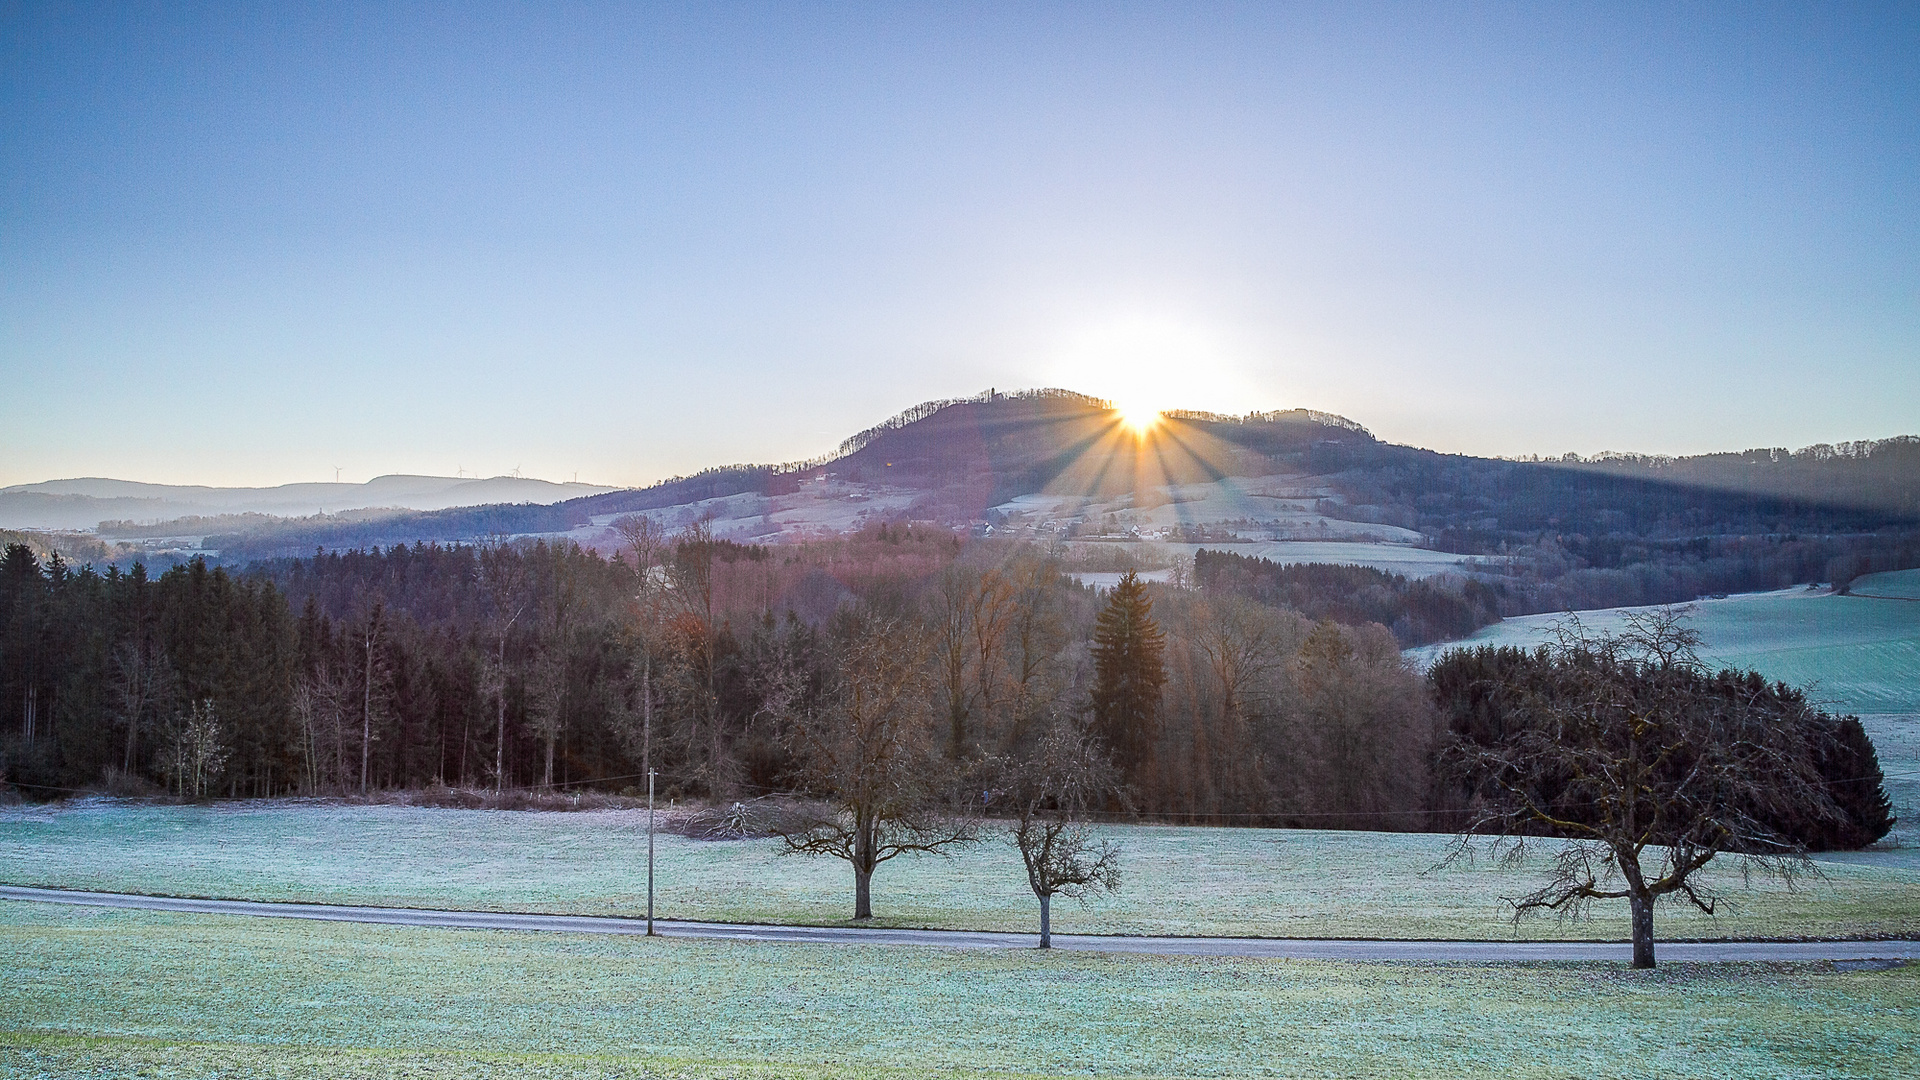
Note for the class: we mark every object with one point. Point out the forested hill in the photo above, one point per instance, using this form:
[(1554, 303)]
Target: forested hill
[(1010, 444), (1473, 504), (972, 454), (1880, 475), (988, 448)]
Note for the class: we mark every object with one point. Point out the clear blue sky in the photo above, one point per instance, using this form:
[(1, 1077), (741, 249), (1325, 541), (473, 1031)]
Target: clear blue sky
[(247, 244)]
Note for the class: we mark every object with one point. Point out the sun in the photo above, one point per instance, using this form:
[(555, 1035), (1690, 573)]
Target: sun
[(1138, 416)]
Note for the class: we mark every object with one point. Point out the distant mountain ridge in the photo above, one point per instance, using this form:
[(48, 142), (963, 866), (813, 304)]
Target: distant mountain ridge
[(1055, 463), (84, 502)]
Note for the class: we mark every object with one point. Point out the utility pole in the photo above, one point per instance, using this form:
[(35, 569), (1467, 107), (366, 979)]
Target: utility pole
[(650, 932)]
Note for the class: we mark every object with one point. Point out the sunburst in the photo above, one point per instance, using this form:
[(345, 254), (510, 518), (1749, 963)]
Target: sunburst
[(1138, 417)]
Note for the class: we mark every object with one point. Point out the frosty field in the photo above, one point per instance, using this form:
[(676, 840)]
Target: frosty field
[(1858, 654), (1852, 654), (1896, 584), (112, 993), (1177, 880)]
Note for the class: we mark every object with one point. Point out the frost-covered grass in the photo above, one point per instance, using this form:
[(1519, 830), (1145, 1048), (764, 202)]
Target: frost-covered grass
[(1900, 584), (1857, 654), (1177, 880), (1853, 654), (113, 993)]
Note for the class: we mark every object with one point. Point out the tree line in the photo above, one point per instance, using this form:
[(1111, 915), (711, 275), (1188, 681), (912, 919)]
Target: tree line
[(1261, 695), (1418, 611), (1556, 573), (1572, 572)]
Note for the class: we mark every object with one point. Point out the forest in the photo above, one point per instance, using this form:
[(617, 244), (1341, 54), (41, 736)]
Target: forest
[(1247, 694)]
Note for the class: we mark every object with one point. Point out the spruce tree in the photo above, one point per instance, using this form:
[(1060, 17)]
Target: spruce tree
[(1128, 676)]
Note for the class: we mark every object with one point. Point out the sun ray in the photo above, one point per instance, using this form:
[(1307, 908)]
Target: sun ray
[(1124, 465)]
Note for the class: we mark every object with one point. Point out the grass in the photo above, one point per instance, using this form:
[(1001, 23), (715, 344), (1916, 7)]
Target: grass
[(94, 1058), (1177, 880), (111, 993), (1858, 654), (1900, 584), (1853, 654)]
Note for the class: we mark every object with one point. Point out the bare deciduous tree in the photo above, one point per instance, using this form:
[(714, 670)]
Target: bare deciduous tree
[(646, 543), (373, 676), (1363, 721), (1049, 795), (317, 705), (546, 704), (548, 682), (1242, 646), (1036, 634), (1629, 756), (866, 748), (504, 577), (971, 614), (645, 540), (143, 684), (686, 609), (197, 753)]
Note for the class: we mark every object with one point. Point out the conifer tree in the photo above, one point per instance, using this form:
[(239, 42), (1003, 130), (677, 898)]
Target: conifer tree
[(1129, 672)]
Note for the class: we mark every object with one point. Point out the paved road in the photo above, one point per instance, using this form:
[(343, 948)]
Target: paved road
[(1298, 948)]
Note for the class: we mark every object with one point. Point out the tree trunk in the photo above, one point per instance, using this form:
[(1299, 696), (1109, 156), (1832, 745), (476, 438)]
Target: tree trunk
[(500, 748), (862, 893), (307, 747), (366, 730), (1642, 930), (340, 746), (716, 788), (1046, 922), (866, 851), (366, 713), (500, 735)]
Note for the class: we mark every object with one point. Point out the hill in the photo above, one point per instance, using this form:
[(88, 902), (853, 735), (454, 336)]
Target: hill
[(1058, 466), (957, 463)]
